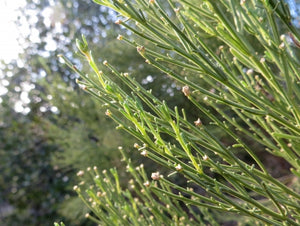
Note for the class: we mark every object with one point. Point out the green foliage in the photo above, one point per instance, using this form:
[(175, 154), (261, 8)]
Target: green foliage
[(26, 193), (47, 135), (59, 224), (248, 89), (137, 204), (39, 121)]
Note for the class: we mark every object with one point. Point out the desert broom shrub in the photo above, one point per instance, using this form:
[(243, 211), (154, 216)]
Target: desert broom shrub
[(138, 204), (247, 88)]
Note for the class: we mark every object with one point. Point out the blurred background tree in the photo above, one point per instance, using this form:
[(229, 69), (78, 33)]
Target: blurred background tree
[(44, 138)]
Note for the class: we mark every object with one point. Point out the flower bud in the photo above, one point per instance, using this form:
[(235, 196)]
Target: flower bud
[(179, 168), (176, 10), (120, 37), (144, 153), (75, 188), (249, 71), (147, 184), (82, 46), (141, 49), (155, 176), (198, 122), (186, 90), (118, 22), (108, 112), (281, 46), (80, 173)]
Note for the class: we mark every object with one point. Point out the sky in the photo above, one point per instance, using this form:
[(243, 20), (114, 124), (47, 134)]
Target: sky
[(9, 47)]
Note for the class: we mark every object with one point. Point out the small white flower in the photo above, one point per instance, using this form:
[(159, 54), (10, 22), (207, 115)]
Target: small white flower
[(80, 173), (198, 122), (155, 176), (186, 90), (179, 167)]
